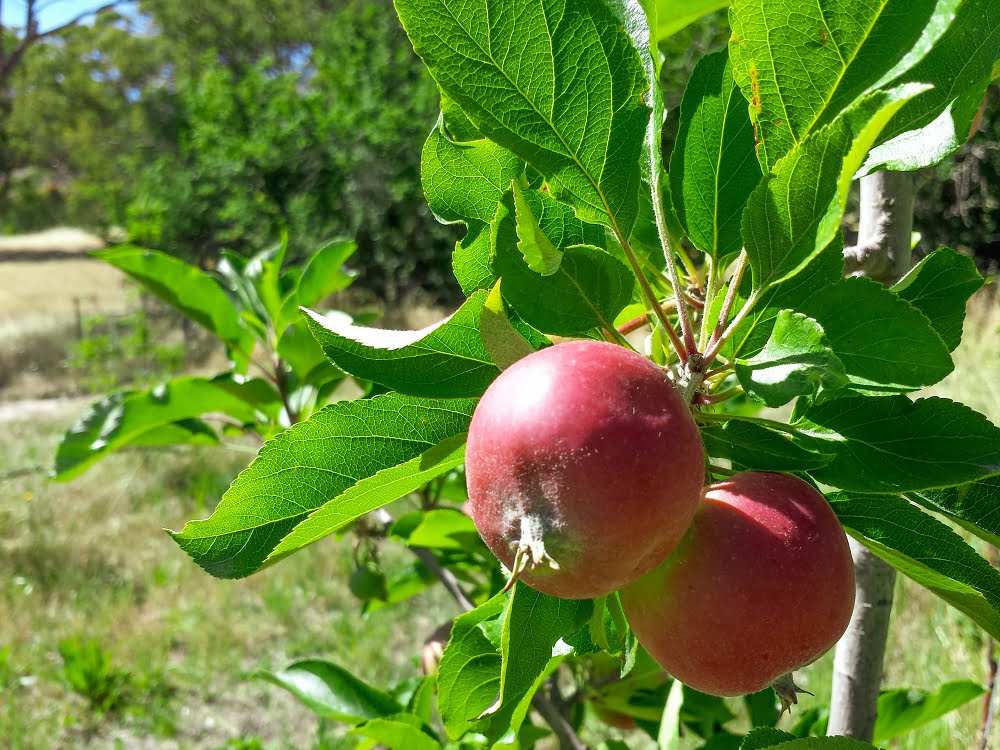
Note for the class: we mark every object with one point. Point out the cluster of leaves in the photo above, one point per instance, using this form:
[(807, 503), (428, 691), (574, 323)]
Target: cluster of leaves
[(308, 147), (199, 128), (547, 150), (252, 307)]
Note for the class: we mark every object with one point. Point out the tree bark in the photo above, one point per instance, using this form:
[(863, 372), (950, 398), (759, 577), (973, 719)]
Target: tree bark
[(886, 223), (857, 662), (882, 253)]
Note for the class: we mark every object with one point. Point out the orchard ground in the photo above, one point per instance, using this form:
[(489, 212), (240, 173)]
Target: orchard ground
[(89, 560)]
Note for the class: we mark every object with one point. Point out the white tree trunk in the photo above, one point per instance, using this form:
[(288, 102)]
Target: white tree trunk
[(883, 253)]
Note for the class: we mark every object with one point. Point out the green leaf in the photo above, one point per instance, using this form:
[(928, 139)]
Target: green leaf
[(306, 466), (465, 181), (264, 270), (445, 360), (674, 15), (750, 337), (555, 220), (370, 493), (472, 261), (764, 737), (240, 276), (533, 623), (182, 432), (762, 708), (186, 287), (456, 125), (796, 210), (803, 743), (800, 65), (939, 286), (902, 710), (440, 528), (300, 349), (402, 732), (469, 673), (924, 549), (963, 43), (539, 253), (121, 419), (323, 275), (713, 169), (930, 144), (907, 353), (332, 692), (501, 340), (258, 392), (974, 506), (521, 74), (754, 446), (892, 444), (588, 289), (796, 361)]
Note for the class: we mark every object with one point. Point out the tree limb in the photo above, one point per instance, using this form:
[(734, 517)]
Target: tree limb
[(883, 249), (857, 662), (883, 252), (33, 35)]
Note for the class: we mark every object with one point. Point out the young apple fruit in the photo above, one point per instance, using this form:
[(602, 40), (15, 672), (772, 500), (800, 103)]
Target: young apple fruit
[(761, 585), (584, 468)]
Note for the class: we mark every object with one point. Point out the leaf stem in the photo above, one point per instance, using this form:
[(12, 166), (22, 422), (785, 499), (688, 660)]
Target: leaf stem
[(686, 261), (716, 344), (711, 281), (731, 292), (616, 336), (715, 398), (691, 347), (651, 298)]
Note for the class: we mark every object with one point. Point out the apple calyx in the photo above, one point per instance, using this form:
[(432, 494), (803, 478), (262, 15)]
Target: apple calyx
[(529, 550), (787, 692)]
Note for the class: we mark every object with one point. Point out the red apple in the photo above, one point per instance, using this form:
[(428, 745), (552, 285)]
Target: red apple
[(584, 464), (762, 584)]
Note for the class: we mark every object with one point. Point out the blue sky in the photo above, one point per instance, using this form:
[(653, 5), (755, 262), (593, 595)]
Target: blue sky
[(51, 12)]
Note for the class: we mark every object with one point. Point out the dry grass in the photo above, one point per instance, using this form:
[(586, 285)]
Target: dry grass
[(34, 293), (64, 239), (90, 559)]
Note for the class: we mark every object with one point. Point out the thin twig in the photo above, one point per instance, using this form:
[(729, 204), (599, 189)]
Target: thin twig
[(640, 320), (668, 254), (32, 35), (24, 471), (549, 709), (444, 575), (568, 738)]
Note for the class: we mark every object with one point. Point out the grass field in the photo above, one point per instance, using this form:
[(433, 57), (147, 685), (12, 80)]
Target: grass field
[(89, 560)]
